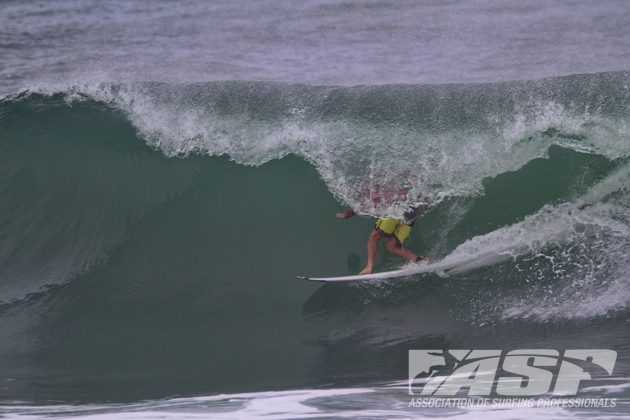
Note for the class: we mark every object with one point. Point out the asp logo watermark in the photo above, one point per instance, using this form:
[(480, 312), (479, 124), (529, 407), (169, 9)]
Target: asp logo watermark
[(516, 373)]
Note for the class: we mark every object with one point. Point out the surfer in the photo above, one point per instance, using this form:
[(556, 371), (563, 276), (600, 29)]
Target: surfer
[(396, 231)]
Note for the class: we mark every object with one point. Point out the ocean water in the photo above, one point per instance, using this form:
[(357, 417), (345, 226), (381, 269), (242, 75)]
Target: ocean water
[(168, 168)]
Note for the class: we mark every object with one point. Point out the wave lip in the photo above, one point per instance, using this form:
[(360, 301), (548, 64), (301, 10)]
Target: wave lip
[(432, 141)]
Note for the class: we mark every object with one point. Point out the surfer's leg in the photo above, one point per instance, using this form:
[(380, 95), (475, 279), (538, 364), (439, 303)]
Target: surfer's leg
[(394, 247), (372, 247)]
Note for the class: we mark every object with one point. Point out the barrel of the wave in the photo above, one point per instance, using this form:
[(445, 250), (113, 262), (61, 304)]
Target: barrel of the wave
[(395, 230)]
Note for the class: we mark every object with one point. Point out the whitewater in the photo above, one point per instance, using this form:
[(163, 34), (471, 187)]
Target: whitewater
[(165, 174)]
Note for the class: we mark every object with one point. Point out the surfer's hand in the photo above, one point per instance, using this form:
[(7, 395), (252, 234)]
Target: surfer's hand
[(345, 214)]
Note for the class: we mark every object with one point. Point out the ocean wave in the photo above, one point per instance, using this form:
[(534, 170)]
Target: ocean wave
[(80, 182), (432, 141)]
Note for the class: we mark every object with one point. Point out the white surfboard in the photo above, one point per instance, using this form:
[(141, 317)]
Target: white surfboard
[(438, 268), (449, 265)]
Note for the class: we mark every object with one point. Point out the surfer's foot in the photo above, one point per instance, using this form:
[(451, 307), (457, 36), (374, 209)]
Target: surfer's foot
[(366, 270), (422, 260)]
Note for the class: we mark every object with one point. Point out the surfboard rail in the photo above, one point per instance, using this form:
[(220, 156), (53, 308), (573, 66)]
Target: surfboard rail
[(437, 268)]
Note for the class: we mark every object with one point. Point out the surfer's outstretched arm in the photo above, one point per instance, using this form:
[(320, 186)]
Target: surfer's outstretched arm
[(346, 214)]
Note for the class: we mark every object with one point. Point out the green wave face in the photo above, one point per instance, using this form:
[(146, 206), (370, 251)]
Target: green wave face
[(151, 227)]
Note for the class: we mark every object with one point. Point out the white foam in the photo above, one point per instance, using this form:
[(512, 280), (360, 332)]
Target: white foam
[(377, 402), (582, 245), (431, 160)]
